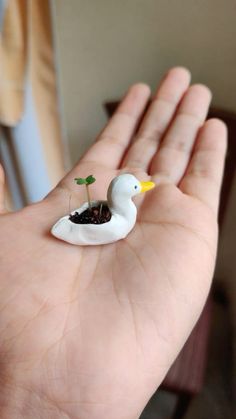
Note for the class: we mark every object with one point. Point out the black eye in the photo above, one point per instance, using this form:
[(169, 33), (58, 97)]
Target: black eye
[(135, 187)]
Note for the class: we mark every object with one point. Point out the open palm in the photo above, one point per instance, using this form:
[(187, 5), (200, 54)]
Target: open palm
[(90, 332)]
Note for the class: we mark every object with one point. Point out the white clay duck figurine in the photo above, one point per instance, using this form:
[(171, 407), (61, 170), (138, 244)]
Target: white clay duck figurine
[(122, 209)]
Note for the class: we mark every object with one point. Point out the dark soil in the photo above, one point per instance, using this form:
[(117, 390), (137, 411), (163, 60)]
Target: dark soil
[(96, 215)]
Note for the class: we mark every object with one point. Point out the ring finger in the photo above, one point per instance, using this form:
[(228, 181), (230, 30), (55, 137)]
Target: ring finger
[(157, 119), (172, 158)]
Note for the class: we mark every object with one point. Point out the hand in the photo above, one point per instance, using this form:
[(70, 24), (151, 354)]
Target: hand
[(90, 332)]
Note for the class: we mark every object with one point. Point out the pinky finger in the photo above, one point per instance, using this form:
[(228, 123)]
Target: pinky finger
[(203, 177)]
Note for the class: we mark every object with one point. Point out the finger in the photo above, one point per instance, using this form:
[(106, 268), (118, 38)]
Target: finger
[(2, 191), (204, 175), (114, 139), (172, 158), (157, 118)]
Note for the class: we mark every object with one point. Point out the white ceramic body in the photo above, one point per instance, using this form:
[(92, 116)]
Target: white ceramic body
[(117, 228)]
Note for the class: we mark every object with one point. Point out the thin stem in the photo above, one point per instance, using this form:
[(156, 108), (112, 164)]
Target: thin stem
[(88, 196)]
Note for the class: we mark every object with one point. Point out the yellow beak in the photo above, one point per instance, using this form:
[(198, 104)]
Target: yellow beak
[(146, 186)]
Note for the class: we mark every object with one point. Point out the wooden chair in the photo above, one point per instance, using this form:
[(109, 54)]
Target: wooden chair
[(186, 376)]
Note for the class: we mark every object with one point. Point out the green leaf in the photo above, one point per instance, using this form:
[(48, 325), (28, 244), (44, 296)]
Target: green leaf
[(80, 181), (90, 179)]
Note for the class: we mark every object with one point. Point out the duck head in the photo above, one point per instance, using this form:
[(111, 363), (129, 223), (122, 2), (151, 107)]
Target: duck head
[(123, 188)]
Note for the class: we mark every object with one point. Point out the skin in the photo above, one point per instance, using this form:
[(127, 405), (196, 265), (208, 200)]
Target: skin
[(90, 332)]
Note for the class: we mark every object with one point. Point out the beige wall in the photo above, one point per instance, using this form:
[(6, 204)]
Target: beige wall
[(105, 45)]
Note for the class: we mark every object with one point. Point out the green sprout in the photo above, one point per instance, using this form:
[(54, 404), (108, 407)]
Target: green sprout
[(86, 181)]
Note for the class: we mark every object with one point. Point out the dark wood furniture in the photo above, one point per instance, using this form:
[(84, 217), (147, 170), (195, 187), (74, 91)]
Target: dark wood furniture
[(186, 376)]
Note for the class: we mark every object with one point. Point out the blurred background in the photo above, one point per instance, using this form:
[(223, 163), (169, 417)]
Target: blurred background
[(64, 65)]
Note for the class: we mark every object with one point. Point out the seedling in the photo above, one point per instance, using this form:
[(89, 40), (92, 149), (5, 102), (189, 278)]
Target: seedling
[(86, 181)]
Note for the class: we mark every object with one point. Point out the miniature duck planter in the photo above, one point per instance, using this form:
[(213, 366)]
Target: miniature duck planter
[(121, 209)]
